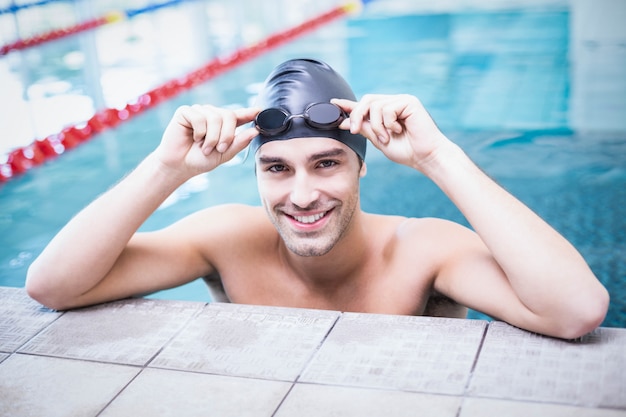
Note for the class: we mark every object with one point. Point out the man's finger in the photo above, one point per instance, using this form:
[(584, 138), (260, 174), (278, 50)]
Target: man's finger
[(345, 104), (246, 114)]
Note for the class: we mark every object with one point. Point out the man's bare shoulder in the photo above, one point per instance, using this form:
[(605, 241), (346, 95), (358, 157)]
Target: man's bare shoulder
[(417, 228), (220, 234), (228, 212), (210, 229), (435, 239), (229, 219)]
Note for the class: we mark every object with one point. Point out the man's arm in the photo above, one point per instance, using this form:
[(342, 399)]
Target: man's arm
[(521, 269), (99, 257)]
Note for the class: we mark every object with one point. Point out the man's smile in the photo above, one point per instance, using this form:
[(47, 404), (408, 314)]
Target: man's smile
[(309, 221), (311, 218)]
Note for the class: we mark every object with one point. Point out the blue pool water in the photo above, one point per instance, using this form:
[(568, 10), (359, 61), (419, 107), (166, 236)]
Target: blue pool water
[(520, 90)]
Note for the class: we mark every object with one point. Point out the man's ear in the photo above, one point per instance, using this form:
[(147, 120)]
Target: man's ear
[(363, 170)]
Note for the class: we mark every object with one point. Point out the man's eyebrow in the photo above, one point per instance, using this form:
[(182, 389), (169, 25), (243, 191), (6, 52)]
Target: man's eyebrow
[(264, 159), (327, 154), (271, 160)]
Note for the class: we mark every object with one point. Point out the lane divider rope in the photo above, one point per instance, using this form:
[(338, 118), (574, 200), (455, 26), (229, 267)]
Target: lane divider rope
[(107, 18), (24, 158), (17, 7)]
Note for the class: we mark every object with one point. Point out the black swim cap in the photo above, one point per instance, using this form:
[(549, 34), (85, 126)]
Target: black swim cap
[(296, 84)]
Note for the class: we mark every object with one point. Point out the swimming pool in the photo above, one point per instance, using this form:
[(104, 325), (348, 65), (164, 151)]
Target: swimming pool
[(519, 89)]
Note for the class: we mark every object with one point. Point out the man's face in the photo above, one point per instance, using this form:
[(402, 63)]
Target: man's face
[(310, 190)]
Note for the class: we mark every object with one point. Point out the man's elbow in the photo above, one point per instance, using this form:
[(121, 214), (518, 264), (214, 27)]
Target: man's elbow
[(588, 315), (39, 288)]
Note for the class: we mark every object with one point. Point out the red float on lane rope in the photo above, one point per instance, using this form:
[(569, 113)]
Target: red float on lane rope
[(23, 159), (55, 34)]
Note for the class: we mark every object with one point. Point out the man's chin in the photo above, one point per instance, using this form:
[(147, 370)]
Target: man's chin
[(308, 251)]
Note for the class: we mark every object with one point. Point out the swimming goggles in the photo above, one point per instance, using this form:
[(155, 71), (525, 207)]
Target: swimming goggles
[(324, 116)]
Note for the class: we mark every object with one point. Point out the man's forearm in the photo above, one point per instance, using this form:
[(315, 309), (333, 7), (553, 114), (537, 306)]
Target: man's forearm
[(549, 282), (537, 260), (85, 250)]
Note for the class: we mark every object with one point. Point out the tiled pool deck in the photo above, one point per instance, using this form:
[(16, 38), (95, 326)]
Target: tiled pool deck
[(161, 358)]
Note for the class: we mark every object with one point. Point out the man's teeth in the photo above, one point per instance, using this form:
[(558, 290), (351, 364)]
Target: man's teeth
[(310, 219)]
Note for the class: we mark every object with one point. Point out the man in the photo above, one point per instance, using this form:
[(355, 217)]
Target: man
[(310, 245)]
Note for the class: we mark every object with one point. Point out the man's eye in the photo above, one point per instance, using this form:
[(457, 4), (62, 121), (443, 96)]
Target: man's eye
[(327, 164), (277, 168)]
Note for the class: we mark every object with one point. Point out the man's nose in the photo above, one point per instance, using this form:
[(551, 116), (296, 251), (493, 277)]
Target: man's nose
[(304, 192)]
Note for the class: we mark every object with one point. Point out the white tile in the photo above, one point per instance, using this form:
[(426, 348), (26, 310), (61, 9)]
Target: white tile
[(479, 407), (519, 365), (53, 387), (129, 331), (307, 400), (158, 392), (253, 341), (427, 354), (21, 318)]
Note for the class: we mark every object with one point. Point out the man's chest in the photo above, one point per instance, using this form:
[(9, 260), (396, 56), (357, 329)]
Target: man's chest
[(385, 289)]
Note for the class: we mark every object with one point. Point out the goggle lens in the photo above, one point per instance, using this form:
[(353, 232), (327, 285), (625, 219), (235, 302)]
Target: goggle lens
[(271, 121), (323, 116)]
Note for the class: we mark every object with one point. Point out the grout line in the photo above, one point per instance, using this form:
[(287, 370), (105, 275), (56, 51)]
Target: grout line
[(73, 358), (381, 388), (217, 373), (147, 363), (280, 404), (62, 313), (317, 349), (478, 352), (175, 335), (473, 368), (120, 392), (458, 412)]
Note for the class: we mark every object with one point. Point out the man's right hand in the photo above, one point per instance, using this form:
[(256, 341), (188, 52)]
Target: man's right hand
[(98, 256), (199, 138)]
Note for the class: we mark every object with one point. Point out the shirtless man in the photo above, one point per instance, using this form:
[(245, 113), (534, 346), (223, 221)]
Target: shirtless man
[(311, 245)]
